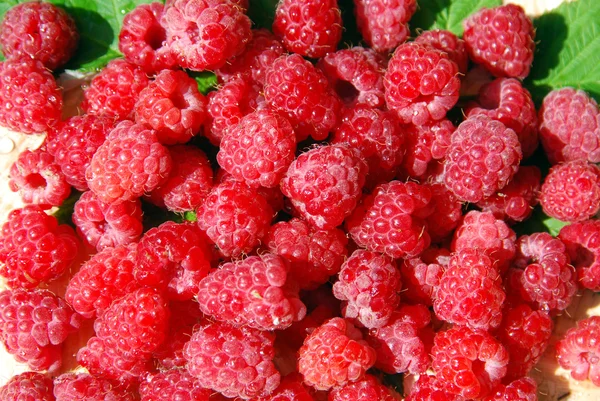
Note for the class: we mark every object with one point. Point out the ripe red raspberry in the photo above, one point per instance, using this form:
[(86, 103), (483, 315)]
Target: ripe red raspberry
[(522, 389), (33, 326), (291, 388), (142, 39), (302, 93), (384, 24), (390, 219), (85, 387), (570, 126), (467, 362), (204, 34), (28, 386), (367, 389), (130, 163), (425, 145), (446, 213), (571, 191), (404, 343), (448, 42), (173, 384), (428, 388), (334, 354), (483, 156), (581, 241), (421, 83), (40, 31), (421, 275), (502, 39), (30, 97), (369, 284), (115, 90), (578, 350), (251, 372), (34, 248)]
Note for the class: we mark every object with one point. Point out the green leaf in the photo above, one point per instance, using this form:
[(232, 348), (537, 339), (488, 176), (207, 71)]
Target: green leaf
[(206, 80), (539, 222), (568, 49), (262, 12), (446, 14)]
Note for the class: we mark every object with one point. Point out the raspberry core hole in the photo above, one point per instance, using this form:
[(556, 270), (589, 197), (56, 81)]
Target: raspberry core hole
[(36, 181), (347, 92), (155, 38)]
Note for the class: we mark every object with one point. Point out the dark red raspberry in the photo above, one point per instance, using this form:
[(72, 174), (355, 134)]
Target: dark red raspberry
[(30, 97), (115, 90), (522, 389), (446, 213), (85, 387), (583, 246), (570, 126), (290, 389), (483, 157), (334, 354), (448, 42), (237, 362), (130, 163), (467, 362), (502, 39), (204, 34), (425, 145), (142, 39), (173, 384), (35, 248), (366, 389), (578, 350), (428, 388), (571, 191), (421, 275), (33, 326), (421, 83), (302, 93), (28, 386), (384, 24), (40, 31)]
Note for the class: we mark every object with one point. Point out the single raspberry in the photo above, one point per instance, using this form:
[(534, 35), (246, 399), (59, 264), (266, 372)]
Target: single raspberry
[(104, 278), (85, 387), (506, 100), (570, 126), (40, 31), (446, 213), (502, 39), (421, 275), (130, 163), (571, 191), (522, 389), (142, 39), (581, 240), (483, 156), (369, 284), (28, 386), (325, 183), (35, 248), (515, 202), (33, 326), (421, 83), (467, 362), (384, 24), (390, 219), (404, 343), (334, 354), (259, 149), (115, 90), (30, 97), (368, 388), (237, 362), (302, 93), (175, 384), (425, 145), (204, 34), (74, 143), (448, 42), (578, 350), (291, 388), (428, 388)]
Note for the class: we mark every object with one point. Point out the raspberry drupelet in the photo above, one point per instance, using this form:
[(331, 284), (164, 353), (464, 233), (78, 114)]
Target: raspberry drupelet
[(85, 387), (28, 386), (428, 388), (291, 388), (581, 240), (578, 350), (421, 275), (445, 213), (522, 389), (449, 43), (368, 388), (172, 384)]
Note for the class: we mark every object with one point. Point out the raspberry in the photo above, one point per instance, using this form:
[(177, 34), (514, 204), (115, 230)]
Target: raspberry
[(142, 39), (324, 184), (421, 275), (237, 362), (389, 219), (74, 143), (204, 34), (40, 31), (259, 149), (523, 389), (366, 389), (38, 179), (34, 248), (28, 386), (302, 93), (30, 97), (115, 90), (290, 389), (428, 388), (483, 156), (173, 384), (467, 362), (581, 241), (84, 387), (446, 213), (251, 292), (501, 39), (334, 354), (369, 284), (421, 83), (578, 350), (425, 145), (33, 326), (571, 191), (404, 343), (448, 42), (104, 278), (130, 163), (384, 24), (507, 101)]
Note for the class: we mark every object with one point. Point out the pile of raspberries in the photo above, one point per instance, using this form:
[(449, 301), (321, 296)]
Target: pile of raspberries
[(341, 227)]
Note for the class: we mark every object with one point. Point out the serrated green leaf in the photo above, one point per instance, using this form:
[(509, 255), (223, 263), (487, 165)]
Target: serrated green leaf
[(553, 225), (446, 14), (568, 49)]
